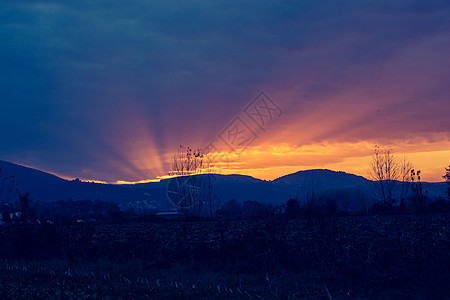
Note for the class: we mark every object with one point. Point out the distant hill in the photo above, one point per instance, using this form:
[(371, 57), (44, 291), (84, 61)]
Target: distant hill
[(242, 188), (45, 187), (323, 177), (28, 178), (343, 188), (346, 189)]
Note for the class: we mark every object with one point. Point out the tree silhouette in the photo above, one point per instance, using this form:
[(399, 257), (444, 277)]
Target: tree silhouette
[(26, 208), (230, 209), (293, 208), (7, 189), (419, 198), (405, 170), (447, 179), (192, 189), (385, 171)]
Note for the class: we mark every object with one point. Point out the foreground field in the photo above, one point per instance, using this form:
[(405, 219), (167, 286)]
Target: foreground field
[(382, 257)]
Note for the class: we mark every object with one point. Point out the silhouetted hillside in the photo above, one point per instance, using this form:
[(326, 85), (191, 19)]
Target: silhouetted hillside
[(323, 178), (45, 187), (29, 179), (344, 188)]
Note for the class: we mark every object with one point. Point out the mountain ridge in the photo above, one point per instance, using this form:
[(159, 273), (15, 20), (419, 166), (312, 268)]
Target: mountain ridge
[(324, 183)]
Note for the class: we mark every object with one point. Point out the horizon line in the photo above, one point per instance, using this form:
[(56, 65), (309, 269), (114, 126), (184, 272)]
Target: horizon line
[(164, 177)]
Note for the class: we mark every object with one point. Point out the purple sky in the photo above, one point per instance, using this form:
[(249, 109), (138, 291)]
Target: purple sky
[(106, 90)]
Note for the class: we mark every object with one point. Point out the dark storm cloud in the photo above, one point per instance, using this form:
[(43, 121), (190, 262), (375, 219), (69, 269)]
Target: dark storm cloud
[(82, 81)]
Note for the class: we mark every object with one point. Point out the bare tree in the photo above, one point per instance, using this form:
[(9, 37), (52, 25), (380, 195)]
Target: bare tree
[(310, 189), (192, 189), (419, 198), (8, 189), (363, 200), (313, 204), (385, 171), (27, 210), (293, 209), (447, 179), (8, 196), (406, 167)]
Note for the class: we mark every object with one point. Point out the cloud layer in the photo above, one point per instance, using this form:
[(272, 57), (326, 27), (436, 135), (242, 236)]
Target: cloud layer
[(106, 90)]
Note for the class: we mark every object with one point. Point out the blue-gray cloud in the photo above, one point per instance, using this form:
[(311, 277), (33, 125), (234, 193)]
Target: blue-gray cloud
[(75, 75)]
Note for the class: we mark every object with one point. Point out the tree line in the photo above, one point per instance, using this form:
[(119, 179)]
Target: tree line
[(19, 207), (193, 193), (389, 171)]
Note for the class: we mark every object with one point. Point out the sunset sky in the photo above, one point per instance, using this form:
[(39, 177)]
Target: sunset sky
[(107, 90)]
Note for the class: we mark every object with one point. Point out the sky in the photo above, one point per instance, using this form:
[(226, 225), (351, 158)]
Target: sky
[(108, 90)]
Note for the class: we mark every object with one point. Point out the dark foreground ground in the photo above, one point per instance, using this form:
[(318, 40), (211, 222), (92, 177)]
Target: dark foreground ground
[(381, 257)]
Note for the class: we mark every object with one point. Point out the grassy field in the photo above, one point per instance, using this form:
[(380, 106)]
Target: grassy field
[(374, 257)]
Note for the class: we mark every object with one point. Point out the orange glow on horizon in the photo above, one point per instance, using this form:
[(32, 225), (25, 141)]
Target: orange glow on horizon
[(157, 179), (141, 154), (354, 158), (271, 162)]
